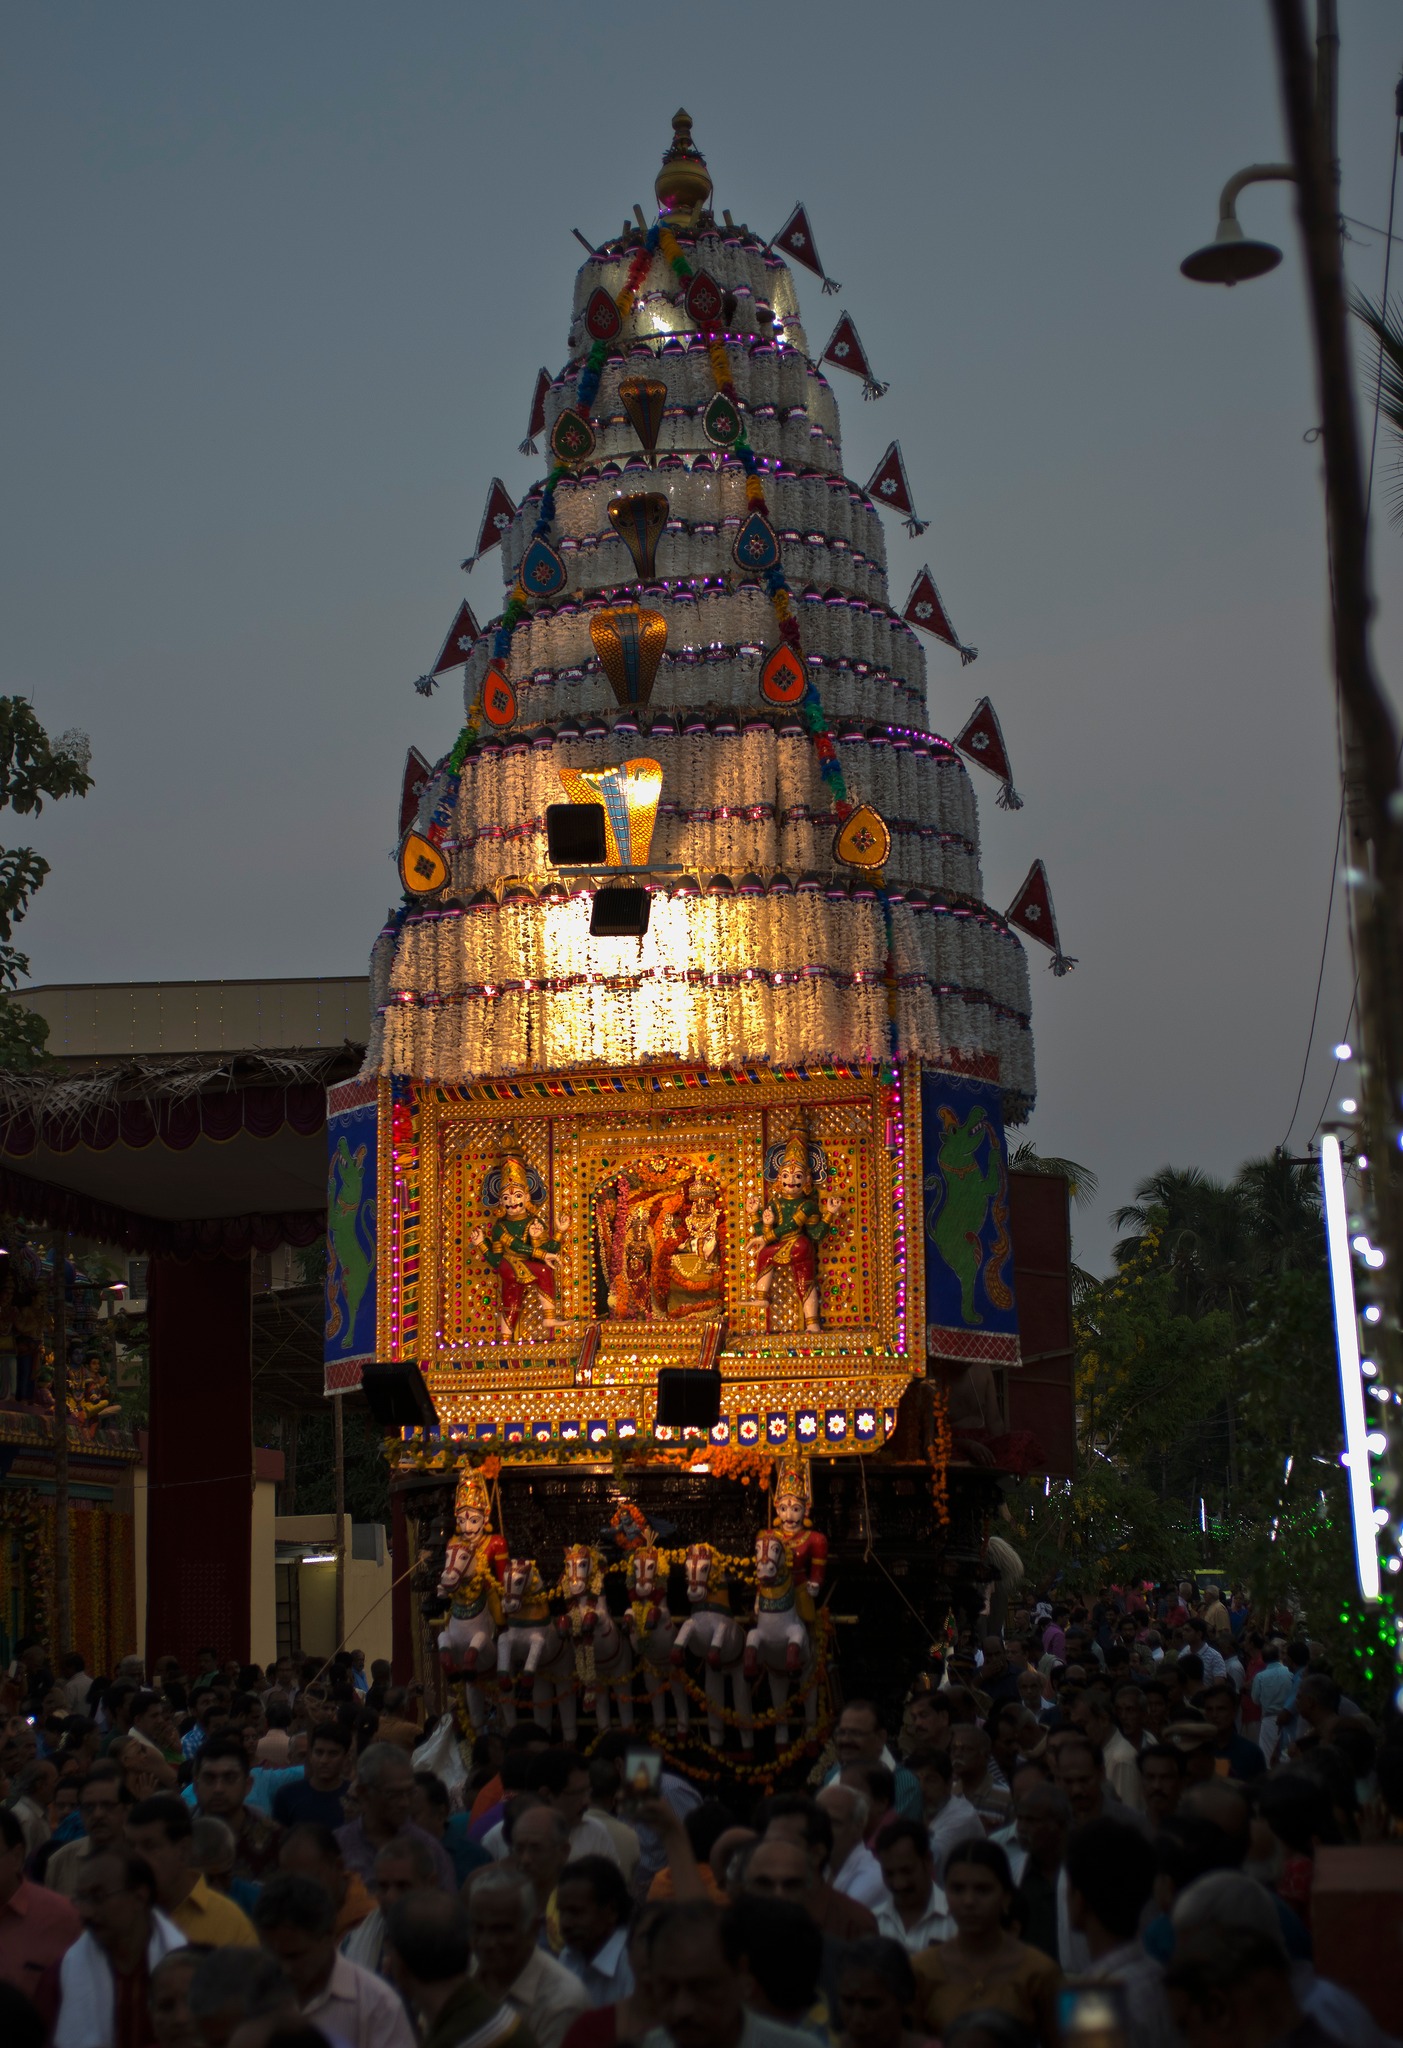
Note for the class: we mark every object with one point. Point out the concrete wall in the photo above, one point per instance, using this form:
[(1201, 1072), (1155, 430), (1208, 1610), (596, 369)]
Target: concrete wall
[(368, 1615)]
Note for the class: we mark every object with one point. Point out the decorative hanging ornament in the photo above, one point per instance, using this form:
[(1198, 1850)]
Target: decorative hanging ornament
[(542, 571), (496, 519), (983, 741), (417, 776), (782, 679), (846, 352), (422, 868), (571, 439), (796, 239), (756, 547), (629, 642), (721, 421), (925, 608), (889, 487), (602, 320), (1031, 910), (537, 422), (638, 520), (457, 646), (498, 698), (863, 840), (644, 399), (704, 301), (629, 794)]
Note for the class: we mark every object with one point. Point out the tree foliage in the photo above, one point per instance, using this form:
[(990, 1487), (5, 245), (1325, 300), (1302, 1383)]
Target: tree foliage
[(32, 767), (1207, 1392)]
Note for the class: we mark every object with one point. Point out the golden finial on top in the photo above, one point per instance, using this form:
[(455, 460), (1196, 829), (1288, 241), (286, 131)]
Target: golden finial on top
[(683, 185)]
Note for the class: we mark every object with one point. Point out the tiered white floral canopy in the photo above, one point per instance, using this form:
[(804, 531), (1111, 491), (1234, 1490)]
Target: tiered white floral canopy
[(763, 949)]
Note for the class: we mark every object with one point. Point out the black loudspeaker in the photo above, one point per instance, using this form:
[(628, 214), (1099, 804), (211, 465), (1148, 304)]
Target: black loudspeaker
[(619, 913), (688, 1398), (398, 1398), (575, 835)]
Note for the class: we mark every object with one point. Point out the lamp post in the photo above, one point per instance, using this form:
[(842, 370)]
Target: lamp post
[(1373, 802)]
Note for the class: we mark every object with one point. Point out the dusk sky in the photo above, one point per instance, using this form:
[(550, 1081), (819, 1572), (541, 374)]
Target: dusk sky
[(279, 280)]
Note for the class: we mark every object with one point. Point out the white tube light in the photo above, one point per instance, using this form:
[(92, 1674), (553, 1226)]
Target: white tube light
[(1361, 1495), (319, 1557)]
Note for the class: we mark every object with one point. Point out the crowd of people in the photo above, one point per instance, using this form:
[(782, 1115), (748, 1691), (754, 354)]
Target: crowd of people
[(1106, 1817)]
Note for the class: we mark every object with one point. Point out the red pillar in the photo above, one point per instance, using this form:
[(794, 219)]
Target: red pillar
[(200, 1499)]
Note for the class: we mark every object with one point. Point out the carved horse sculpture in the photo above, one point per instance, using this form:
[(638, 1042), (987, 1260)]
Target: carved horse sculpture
[(466, 1645), (778, 1646), (712, 1632), (602, 1657), (653, 1631), (531, 1641)]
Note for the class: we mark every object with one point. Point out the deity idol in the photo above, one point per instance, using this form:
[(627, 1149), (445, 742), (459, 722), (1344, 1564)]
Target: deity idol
[(690, 1281), (806, 1548), (517, 1247), (792, 1225)]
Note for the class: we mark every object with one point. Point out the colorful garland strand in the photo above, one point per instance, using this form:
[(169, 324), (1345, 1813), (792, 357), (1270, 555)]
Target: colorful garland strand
[(811, 707)]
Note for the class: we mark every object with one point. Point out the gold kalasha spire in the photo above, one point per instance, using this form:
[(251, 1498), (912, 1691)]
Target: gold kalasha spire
[(683, 185)]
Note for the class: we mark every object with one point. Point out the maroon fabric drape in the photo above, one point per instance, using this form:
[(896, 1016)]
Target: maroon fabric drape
[(1041, 1394), (218, 1114), (200, 1499)]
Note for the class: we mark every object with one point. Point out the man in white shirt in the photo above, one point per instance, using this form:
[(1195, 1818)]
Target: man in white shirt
[(509, 1962), (949, 1817), (852, 1868), (916, 1913), (1092, 1714), (593, 1903), (124, 1934), (296, 1923)]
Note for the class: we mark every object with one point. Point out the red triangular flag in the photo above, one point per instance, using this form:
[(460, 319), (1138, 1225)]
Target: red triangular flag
[(455, 650), (889, 487), (458, 644), (926, 608), (496, 519), (847, 353), (796, 240), (537, 422), (983, 741), (416, 779), (1031, 910)]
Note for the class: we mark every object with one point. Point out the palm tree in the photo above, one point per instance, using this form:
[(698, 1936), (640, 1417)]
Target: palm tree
[(1384, 323), (1082, 1183), (1281, 1201)]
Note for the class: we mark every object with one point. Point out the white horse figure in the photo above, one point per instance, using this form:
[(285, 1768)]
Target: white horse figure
[(653, 1631), (466, 1645), (531, 1641), (712, 1632), (602, 1657), (778, 1645)]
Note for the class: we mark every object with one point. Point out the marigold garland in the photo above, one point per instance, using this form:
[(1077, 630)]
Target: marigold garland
[(938, 1453)]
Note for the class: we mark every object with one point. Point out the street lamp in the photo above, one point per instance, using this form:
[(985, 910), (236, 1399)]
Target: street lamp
[(1230, 258)]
